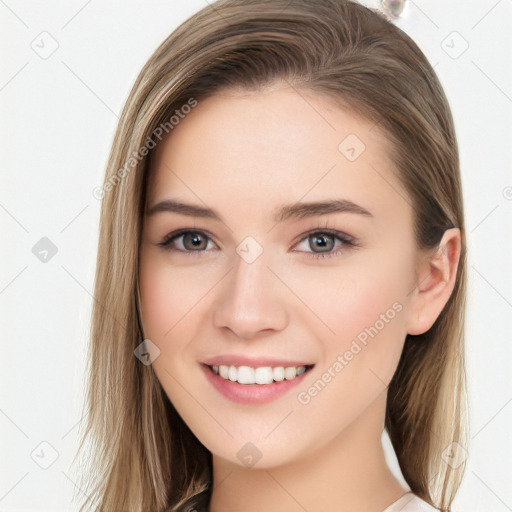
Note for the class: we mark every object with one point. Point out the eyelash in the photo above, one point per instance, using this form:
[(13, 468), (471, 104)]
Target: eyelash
[(345, 239)]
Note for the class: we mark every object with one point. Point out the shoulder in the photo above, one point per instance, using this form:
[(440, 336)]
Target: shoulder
[(410, 503)]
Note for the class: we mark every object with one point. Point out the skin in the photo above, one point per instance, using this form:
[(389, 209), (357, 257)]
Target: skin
[(244, 154)]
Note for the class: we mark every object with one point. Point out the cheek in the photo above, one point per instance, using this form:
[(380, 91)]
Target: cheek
[(362, 305), (367, 313), (380, 310), (353, 295), (170, 299), (158, 304), (168, 295)]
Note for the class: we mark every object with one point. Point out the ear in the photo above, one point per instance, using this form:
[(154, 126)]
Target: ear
[(436, 276)]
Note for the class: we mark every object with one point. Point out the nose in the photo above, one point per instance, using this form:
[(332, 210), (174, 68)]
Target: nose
[(250, 300)]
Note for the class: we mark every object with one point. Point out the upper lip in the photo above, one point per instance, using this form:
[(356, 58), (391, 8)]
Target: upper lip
[(253, 362)]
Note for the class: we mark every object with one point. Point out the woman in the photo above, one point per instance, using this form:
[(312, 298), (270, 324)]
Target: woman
[(281, 271)]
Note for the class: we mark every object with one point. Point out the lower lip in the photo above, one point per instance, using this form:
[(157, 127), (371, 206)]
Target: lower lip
[(251, 393)]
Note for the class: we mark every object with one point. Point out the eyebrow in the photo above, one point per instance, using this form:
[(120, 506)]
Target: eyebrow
[(281, 214)]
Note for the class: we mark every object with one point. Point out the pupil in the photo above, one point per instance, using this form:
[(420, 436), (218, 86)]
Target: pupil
[(321, 241), (195, 239)]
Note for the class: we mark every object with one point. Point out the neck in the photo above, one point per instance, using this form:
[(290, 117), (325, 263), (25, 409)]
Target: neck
[(348, 473)]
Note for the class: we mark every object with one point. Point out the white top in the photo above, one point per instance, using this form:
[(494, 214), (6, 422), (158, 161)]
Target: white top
[(410, 503)]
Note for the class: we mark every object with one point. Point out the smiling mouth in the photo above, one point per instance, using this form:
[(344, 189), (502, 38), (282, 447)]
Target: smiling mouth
[(263, 375)]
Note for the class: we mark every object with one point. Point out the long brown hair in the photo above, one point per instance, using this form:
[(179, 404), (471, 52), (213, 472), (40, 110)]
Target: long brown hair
[(144, 458)]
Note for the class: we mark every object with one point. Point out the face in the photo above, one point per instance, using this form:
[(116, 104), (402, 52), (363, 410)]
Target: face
[(277, 292)]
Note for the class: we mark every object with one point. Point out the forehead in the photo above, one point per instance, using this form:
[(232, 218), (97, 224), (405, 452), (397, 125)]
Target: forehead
[(258, 149)]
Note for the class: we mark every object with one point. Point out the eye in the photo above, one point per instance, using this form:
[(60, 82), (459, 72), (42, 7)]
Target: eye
[(326, 240), (199, 242), (187, 241)]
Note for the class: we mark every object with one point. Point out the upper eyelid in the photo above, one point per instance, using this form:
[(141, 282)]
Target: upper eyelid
[(181, 232), (326, 231)]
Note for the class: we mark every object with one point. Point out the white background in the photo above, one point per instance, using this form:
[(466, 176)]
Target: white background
[(58, 116)]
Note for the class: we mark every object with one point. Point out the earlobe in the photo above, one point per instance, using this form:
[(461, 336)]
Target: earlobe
[(435, 282)]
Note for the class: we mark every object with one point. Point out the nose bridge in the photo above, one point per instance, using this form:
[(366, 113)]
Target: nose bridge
[(250, 300)]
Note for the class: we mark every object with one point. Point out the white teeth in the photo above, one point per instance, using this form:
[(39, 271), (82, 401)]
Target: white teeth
[(233, 373), (278, 374), (290, 373), (261, 375), (264, 375), (246, 375)]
